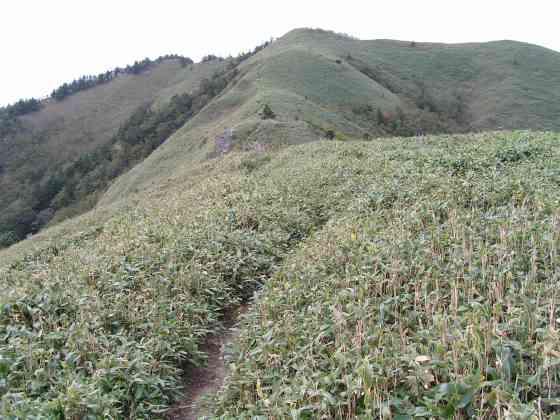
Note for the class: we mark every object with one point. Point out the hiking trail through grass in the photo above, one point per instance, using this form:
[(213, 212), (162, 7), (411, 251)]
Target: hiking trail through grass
[(204, 381)]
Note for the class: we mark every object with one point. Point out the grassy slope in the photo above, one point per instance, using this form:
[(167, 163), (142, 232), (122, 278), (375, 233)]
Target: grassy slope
[(63, 131), (434, 295), (502, 84), (396, 266), (506, 84), (172, 227), (150, 283)]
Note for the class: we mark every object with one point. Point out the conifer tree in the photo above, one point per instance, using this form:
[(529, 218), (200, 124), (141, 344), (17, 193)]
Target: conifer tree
[(267, 113)]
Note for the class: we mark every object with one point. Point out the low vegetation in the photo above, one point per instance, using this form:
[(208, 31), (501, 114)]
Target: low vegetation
[(267, 113), (401, 277), (100, 325), (434, 295), (389, 278)]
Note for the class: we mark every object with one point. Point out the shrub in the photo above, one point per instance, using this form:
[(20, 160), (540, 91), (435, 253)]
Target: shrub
[(429, 296), (7, 239), (380, 117), (252, 164), (341, 137), (267, 113)]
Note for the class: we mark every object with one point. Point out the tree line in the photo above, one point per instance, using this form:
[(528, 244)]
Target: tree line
[(10, 113), (74, 189), (87, 82), (21, 107), (26, 106)]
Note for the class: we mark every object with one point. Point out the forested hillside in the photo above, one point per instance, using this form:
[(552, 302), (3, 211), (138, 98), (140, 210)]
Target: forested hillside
[(58, 155)]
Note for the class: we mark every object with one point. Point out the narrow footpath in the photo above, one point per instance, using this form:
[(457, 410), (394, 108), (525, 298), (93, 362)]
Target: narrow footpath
[(206, 380)]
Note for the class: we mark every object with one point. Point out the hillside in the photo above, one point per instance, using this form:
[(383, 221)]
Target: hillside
[(405, 277), (317, 81), (60, 161), (46, 143), (382, 274)]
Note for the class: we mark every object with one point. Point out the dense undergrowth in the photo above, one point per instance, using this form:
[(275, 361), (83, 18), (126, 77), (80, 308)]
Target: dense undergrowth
[(402, 277), (435, 295), (99, 326)]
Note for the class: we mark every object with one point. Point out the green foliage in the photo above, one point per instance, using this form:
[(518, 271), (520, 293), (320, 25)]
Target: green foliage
[(7, 238), (399, 278), (430, 295), (87, 82), (267, 113), (209, 57), (364, 110), (21, 107), (75, 188), (287, 78), (425, 99), (96, 325), (254, 163), (380, 118), (9, 114), (341, 136), (519, 152), (51, 175)]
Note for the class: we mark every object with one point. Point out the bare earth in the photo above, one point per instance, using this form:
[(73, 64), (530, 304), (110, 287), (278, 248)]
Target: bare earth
[(206, 380)]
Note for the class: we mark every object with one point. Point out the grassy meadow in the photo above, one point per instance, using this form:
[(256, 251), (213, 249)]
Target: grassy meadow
[(395, 278)]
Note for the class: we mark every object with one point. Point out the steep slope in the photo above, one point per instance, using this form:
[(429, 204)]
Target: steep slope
[(53, 138), (501, 84), (316, 81), (318, 84)]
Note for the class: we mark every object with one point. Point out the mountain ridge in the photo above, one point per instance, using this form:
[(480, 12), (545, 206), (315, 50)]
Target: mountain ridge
[(383, 270), (317, 82), (270, 80)]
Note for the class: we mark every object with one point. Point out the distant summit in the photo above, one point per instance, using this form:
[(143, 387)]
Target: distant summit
[(58, 157)]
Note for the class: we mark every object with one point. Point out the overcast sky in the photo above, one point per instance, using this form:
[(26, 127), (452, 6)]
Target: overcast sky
[(44, 43)]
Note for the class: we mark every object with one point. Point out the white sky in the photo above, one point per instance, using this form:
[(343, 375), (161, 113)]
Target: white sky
[(44, 43)]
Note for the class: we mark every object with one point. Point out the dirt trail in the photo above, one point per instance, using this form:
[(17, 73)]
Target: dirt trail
[(206, 380)]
